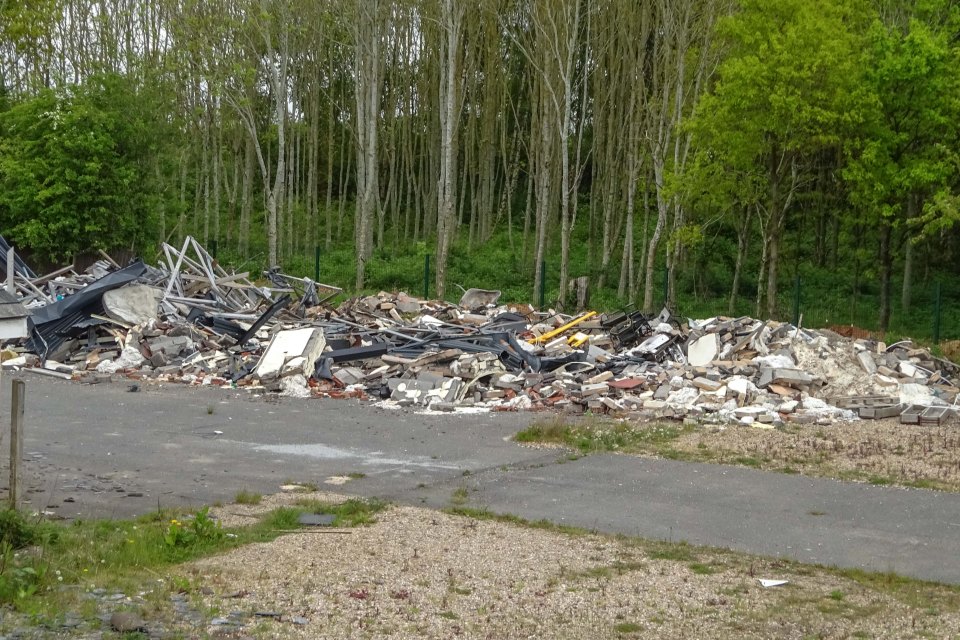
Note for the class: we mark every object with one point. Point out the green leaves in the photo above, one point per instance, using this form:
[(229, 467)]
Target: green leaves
[(906, 148), (73, 172)]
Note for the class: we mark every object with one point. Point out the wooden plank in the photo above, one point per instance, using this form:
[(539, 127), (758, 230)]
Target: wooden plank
[(106, 256), (19, 389), (876, 413), (53, 274)]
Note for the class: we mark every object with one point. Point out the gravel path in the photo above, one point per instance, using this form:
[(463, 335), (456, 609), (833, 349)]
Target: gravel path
[(419, 573)]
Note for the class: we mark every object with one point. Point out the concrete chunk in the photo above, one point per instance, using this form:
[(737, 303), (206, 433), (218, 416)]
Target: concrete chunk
[(134, 304), (287, 345), (703, 351), (865, 358), (707, 384), (786, 377)]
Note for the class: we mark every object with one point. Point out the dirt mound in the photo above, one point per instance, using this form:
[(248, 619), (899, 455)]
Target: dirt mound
[(851, 331)]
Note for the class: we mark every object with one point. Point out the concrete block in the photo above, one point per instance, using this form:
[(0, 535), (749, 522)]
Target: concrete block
[(865, 358), (134, 304), (786, 377), (706, 384), (704, 350), (285, 346)]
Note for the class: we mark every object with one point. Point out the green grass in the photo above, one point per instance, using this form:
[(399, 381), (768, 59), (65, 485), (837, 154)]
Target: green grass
[(123, 555), (459, 497), (247, 497), (590, 436), (113, 554), (627, 627), (355, 512)]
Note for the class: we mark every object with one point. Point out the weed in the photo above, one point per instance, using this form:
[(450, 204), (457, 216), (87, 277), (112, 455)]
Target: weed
[(677, 551), (247, 497), (356, 475), (199, 530), (355, 512), (627, 627), (702, 569), (301, 487), (836, 594), (459, 497), (210, 409)]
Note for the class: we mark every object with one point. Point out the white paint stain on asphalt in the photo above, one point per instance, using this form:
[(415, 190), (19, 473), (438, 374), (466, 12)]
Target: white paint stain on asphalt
[(370, 458)]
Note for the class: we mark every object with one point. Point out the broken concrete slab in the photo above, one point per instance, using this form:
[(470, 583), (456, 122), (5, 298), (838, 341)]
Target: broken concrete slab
[(782, 376), (703, 351), (474, 299), (865, 358), (133, 304), (285, 346), (706, 384)]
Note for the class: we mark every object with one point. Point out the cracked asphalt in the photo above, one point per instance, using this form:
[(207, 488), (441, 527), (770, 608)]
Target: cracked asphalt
[(103, 451)]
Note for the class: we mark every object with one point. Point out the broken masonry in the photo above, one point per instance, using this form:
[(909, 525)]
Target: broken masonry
[(187, 320)]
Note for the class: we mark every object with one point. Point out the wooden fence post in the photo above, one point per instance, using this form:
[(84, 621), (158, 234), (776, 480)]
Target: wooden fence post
[(16, 440)]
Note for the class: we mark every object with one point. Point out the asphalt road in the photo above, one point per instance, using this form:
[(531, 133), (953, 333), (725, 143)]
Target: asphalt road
[(102, 451)]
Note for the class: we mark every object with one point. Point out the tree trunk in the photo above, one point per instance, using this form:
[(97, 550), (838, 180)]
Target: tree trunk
[(886, 267), (743, 240), (446, 198), (906, 293)]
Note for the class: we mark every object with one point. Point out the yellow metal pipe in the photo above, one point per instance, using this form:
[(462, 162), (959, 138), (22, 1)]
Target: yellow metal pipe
[(552, 334)]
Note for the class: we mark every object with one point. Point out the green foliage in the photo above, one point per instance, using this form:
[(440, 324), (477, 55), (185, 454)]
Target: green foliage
[(595, 436), (354, 512), (74, 169), (247, 497), (200, 530), (906, 146)]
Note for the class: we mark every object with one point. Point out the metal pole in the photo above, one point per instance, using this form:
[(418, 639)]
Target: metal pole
[(11, 268), (543, 283), (936, 315), (316, 263), (796, 302), (16, 440), (426, 277)]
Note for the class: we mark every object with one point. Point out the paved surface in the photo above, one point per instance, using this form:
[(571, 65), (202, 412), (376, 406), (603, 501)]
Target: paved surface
[(103, 451)]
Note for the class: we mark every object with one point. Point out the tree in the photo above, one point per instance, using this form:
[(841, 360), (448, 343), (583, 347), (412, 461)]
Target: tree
[(905, 159), (368, 77), (789, 88), (75, 171)]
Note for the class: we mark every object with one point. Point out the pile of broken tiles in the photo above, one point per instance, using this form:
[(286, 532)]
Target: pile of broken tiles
[(188, 321)]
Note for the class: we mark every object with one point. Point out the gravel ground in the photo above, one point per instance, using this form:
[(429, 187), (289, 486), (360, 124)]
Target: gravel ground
[(418, 573), (877, 450)]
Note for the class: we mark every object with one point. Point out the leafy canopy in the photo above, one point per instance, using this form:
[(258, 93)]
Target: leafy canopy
[(74, 169)]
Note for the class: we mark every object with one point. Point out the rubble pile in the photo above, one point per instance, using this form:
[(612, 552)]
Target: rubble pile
[(189, 321)]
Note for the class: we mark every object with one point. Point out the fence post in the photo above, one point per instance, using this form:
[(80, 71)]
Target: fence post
[(796, 302), (543, 283), (426, 277), (16, 440), (316, 263), (936, 314)]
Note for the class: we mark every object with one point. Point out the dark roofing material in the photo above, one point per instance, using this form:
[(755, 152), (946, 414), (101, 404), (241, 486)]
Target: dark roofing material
[(50, 326), (19, 266)]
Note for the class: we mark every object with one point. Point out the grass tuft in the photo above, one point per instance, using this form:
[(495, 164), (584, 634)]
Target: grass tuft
[(247, 497)]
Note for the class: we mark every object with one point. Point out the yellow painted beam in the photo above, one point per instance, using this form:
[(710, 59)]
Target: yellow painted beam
[(552, 334)]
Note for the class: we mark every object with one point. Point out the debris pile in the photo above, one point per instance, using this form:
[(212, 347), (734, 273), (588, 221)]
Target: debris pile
[(189, 321)]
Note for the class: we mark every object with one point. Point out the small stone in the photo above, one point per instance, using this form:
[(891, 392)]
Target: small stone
[(299, 620), (126, 622)]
